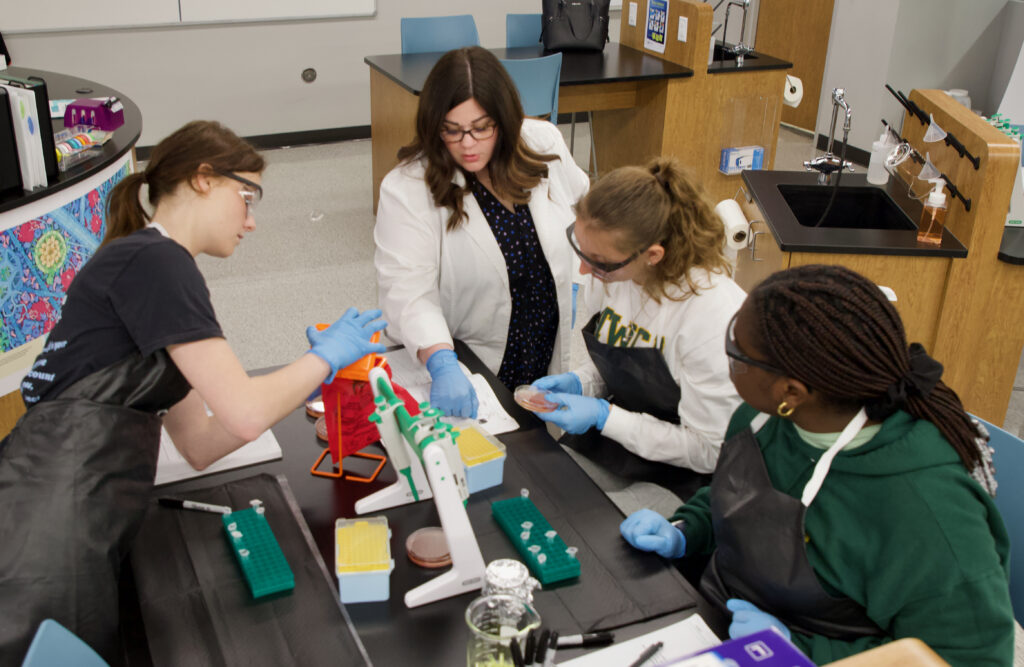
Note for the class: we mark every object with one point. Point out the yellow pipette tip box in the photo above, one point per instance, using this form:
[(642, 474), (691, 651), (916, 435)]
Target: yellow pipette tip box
[(484, 458), (362, 559)]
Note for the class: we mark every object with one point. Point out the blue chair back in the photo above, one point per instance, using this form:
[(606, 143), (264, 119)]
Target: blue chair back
[(537, 82), (438, 33), (522, 30), (1008, 459), (56, 645)]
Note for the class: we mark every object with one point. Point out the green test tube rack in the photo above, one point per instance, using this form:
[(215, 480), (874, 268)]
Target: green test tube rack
[(258, 554), (559, 561)]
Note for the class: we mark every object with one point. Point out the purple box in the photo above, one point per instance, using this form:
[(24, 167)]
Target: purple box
[(766, 648), (106, 114)]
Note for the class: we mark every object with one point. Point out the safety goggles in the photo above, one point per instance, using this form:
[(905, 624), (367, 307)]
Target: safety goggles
[(602, 268), (454, 135), (250, 196), (736, 356)]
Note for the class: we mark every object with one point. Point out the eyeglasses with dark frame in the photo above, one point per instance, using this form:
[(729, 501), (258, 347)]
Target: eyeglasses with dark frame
[(454, 135), (601, 268), (736, 355), (252, 196)]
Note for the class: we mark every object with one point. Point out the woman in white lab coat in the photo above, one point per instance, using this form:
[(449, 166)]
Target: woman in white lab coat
[(470, 232)]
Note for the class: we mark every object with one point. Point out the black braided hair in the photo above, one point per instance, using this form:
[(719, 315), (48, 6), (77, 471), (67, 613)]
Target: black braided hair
[(834, 330)]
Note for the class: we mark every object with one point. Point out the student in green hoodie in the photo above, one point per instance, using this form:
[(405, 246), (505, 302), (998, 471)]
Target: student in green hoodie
[(851, 505)]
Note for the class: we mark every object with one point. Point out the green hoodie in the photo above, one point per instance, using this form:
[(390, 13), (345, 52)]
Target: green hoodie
[(901, 528)]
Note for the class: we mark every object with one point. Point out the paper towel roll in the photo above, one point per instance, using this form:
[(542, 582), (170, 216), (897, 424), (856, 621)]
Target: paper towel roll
[(794, 91), (737, 229)]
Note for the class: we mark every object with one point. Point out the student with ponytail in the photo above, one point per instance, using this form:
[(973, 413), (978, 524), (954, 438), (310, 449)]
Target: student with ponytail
[(856, 508), (138, 345), (651, 253)]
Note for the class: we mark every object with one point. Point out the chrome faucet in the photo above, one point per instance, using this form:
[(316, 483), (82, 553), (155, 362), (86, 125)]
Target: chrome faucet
[(740, 49), (828, 163)]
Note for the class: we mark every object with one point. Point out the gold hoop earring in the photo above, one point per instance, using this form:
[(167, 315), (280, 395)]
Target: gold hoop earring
[(784, 410)]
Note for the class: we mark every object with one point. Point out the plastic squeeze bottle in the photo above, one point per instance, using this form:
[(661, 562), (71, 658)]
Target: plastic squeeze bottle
[(877, 172), (933, 217)]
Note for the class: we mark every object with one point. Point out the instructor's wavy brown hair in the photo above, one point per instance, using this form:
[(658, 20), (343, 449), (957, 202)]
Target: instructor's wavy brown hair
[(660, 203), (460, 75)]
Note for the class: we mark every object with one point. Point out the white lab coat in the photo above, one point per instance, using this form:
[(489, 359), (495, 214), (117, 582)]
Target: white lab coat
[(436, 285)]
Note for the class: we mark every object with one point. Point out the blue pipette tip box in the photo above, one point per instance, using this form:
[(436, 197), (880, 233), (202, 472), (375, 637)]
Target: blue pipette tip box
[(558, 564), (257, 552)]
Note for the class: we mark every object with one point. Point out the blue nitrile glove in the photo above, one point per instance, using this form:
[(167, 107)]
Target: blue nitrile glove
[(347, 340), (748, 619), (567, 383), (451, 392), (578, 414), (649, 531)]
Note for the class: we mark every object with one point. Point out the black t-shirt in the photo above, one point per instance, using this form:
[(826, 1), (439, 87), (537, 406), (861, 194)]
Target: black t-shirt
[(140, 293)]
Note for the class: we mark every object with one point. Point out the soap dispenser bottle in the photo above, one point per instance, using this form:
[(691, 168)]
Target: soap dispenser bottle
[(877, 172), (933, 217)]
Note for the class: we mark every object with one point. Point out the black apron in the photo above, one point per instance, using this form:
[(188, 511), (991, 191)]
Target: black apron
[(638, 380), (75, 479), (761, 555)]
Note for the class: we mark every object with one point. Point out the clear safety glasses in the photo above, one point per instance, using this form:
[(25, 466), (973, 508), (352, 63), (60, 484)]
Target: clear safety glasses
[(251, 196), (738, 361), (599, 268)]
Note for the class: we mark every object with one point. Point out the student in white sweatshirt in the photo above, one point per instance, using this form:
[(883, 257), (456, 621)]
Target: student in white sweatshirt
[(654, 399)]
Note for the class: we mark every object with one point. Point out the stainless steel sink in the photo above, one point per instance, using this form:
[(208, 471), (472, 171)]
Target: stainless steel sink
[(855, 207)]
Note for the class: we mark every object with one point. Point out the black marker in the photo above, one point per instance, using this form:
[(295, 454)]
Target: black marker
[(586, 640), (175, 503), (549, 659), (542, 648), (530, 645), (517, 653)]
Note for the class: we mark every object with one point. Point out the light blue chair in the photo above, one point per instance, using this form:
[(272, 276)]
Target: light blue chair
[(1008, 459), (55, 645), (537, 82), (522, 30), (438, 33)]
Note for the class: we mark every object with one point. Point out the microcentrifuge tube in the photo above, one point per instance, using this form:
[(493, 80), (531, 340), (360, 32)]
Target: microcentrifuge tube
[(550, 535), (525, 535), (232, 526), (524, 492), (244, 553), (541, 558), (571, 551), (255, 502), (527, 525), (260, 509), (534, 548), (237, 534)]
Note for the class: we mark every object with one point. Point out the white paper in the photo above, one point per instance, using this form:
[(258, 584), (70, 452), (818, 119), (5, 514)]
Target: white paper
[(413, 376), (171, 466), (680, 639)]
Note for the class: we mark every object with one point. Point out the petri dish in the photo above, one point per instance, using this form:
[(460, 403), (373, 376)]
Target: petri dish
[(533, 399), (315, 407), (428, 547), (321, 428)]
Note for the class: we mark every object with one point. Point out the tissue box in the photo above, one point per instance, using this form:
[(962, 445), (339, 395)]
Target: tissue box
[(735, 160), (105, 113)]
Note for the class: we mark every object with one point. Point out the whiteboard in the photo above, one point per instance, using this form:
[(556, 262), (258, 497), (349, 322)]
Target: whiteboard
[(21, 16), (28, 16), (207, 11)]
